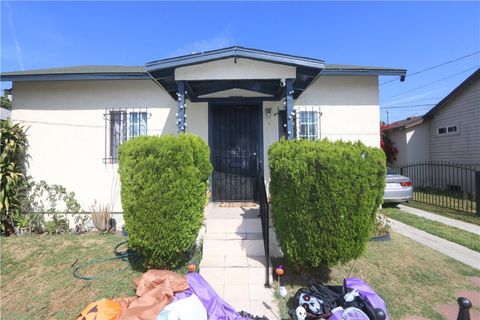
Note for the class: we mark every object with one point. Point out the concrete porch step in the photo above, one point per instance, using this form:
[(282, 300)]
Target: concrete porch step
[(224, 247), (233, 236), (237, 225), (233, 261)]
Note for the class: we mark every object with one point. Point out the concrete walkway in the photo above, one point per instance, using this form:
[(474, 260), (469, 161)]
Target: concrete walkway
[(234, 259), (453, 250), (432, 216)]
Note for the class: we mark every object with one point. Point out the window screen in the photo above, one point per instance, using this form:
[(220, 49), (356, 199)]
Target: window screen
[(118, 131), (138, 124)]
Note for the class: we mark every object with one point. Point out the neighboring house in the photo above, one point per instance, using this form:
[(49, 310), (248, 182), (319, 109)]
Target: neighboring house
[(238, 100), (450, 131), (448, 134)]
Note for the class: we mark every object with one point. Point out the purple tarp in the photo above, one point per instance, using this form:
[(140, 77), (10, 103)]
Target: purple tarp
[(366, 293), (217, 309)]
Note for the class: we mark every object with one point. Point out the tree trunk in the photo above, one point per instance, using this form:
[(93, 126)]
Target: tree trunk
[(9, 229)]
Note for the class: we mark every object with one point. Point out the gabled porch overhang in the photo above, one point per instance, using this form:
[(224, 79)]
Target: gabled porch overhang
[(168, 72)]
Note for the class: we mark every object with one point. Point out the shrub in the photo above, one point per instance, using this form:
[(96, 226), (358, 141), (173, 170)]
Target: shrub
[(163, 188), (324, 198), (13, 171), (40, 197)]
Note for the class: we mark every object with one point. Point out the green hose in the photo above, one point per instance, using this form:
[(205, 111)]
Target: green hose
[(125, 255)]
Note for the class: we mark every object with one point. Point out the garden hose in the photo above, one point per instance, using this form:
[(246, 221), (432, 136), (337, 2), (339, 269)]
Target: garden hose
[(125, 255)]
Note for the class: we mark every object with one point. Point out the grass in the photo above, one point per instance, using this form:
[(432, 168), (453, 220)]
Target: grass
[(36, 275), (459, 236), (411, 278), (447, 212)]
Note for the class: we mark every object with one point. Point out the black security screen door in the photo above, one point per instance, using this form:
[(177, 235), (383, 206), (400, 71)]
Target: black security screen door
[(235, 141)]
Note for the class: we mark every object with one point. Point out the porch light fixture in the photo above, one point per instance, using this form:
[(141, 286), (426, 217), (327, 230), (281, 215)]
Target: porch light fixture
[(268, 113)]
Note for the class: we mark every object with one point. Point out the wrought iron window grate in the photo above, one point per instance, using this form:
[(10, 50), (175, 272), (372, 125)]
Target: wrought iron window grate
[(308, 122), (122, 124)]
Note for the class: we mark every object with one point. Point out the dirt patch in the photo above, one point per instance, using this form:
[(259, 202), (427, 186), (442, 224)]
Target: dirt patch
[(475, 281)]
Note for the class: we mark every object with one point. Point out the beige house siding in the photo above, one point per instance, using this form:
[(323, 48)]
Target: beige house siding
[(417, 138), (67, 131), (398, 137), (462, 110)]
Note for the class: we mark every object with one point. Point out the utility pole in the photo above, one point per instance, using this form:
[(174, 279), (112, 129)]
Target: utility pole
[(387, 118)]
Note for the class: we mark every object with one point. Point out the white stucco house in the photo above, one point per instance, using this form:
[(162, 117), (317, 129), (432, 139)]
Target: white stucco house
[(450, 131), (238, 100)]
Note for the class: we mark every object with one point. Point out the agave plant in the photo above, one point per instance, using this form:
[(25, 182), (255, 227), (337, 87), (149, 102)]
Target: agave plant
[(101, 216)]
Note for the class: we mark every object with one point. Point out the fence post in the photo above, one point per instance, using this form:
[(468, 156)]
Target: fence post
[(477, 191), (464, 306)]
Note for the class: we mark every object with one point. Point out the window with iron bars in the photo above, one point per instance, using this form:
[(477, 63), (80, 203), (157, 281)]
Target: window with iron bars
[(308, 122), (122, 124)]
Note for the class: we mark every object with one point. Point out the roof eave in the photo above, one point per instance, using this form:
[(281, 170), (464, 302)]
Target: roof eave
[(365, 72), (81, 76), (233, 52)]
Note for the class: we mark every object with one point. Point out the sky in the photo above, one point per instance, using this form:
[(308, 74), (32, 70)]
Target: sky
[(409, 35)]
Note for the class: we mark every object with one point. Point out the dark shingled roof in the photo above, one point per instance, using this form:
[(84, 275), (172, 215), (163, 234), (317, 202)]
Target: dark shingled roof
[(112, 69), (88, 69), (404, 124), (307, 68)]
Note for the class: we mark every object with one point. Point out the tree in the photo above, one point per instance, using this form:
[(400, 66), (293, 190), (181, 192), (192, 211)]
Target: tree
[(5, 103), (387, 145), (13, 171)]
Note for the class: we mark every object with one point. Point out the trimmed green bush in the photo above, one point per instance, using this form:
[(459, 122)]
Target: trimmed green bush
[(163, 187), (324, 198)]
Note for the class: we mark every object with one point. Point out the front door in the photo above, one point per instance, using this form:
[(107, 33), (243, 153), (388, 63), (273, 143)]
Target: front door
[(235, 141)]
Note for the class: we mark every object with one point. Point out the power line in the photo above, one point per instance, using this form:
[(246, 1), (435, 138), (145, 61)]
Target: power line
[(430, 83), (409, 106), (433, 67)]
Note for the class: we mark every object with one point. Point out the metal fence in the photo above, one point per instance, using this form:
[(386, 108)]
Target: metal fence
[(445, 184), (264, 216)]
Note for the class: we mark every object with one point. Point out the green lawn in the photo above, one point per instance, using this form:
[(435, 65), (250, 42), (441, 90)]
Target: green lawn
[(411, 278), (464, 238), (450, 213), (37, 281)]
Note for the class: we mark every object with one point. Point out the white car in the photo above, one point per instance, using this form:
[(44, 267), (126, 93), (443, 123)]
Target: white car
[(398, 188)]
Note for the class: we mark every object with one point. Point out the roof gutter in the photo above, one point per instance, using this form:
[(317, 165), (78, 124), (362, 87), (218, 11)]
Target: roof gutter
[(75, 76)]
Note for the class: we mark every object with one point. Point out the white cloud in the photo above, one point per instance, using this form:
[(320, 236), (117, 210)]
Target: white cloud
[(220, 41), (14, 36), (416, 97)]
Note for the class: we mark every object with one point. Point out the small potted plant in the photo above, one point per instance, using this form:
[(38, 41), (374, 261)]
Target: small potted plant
[(381, 228), (23, 225)]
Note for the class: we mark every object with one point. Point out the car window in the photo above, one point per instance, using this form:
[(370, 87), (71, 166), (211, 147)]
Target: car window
[(391, 171)]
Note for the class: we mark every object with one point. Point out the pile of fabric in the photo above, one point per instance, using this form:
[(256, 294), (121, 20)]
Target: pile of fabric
[(166, 295)]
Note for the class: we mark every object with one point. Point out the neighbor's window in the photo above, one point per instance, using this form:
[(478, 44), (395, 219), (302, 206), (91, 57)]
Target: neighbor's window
[(447, 130), (308, 122), (442, 130), (452, 129), (120, 125)]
